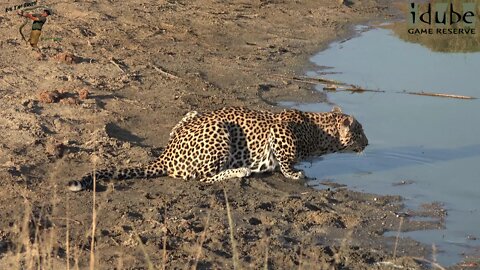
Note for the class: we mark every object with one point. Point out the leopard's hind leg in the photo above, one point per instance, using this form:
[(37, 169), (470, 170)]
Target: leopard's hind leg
[(228, 174), (218, 148)]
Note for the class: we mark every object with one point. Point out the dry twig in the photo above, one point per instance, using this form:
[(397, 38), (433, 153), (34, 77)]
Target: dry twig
[(165, 73), (114, 62), (439, 95), (232, 237)]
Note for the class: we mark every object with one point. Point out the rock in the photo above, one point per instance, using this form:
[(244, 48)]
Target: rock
[(54, 148), (66, 57), (49, 96), (69, 101), (83, 93)]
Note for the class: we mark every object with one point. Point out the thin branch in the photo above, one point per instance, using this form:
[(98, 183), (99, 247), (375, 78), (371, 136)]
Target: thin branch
[(165, 73), (232, 237), (440, 95), (114, 62)]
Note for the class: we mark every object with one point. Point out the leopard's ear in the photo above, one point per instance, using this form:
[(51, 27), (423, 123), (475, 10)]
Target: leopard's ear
[(336, 109), (345, 127), (347, 122)]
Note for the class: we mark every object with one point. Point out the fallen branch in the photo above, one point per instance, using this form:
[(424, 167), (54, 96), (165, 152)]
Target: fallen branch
[(356, 89), (336, 86), (322, 80), (312, 80), (439, 95)]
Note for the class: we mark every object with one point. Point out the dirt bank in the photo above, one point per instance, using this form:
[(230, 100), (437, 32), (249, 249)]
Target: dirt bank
[(113, 78)]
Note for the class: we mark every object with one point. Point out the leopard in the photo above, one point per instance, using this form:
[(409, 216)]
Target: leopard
[(234, 142)]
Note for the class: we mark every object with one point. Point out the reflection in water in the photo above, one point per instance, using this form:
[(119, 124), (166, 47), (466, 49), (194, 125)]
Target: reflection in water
[(386, 159), (440, 42)]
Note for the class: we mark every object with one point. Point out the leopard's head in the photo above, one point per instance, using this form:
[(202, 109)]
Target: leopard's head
[(337, 132), (350, 134)]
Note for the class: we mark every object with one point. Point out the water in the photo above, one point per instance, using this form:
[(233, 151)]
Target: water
[(433, 142)]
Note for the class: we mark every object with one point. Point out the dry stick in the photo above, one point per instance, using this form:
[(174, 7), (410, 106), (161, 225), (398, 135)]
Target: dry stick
[(29, 246), (300, 256), (22, 234), (351, 87), (53, 230), (397, 238), (51, 249), (120, 261), (318, 80), (354, 88), (343, 87), (304, 81), (142, 247), (311, 80), (202, 239), (165, 73), (36, 240), (68, 234), (94, 213), (232, 238), (164, 257), (439, 95), (117, 65), (359, 90), (265, 266), (75, 257), (94, 220)]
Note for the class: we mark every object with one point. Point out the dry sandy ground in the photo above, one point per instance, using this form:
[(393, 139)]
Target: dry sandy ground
[(144, 65)]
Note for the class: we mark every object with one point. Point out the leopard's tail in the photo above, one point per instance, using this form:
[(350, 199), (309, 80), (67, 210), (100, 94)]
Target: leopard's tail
[(155, 169)]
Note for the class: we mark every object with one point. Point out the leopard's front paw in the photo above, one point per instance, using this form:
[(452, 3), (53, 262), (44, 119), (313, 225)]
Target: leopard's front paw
[(300, 175), (296, 175)]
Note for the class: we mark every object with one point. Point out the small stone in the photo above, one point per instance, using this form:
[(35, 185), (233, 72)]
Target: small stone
[(49, 96), (67, 142), (69, 101), (28, 103), (67, 57), (54, 148), (83, 93)]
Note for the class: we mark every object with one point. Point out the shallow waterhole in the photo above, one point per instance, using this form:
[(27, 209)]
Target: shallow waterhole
[(430, 143)]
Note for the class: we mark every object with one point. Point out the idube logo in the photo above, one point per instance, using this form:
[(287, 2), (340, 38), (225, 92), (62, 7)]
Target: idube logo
[(442, 18)]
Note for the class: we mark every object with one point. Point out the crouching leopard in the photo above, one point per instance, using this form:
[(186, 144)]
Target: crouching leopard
[(233, 142)]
